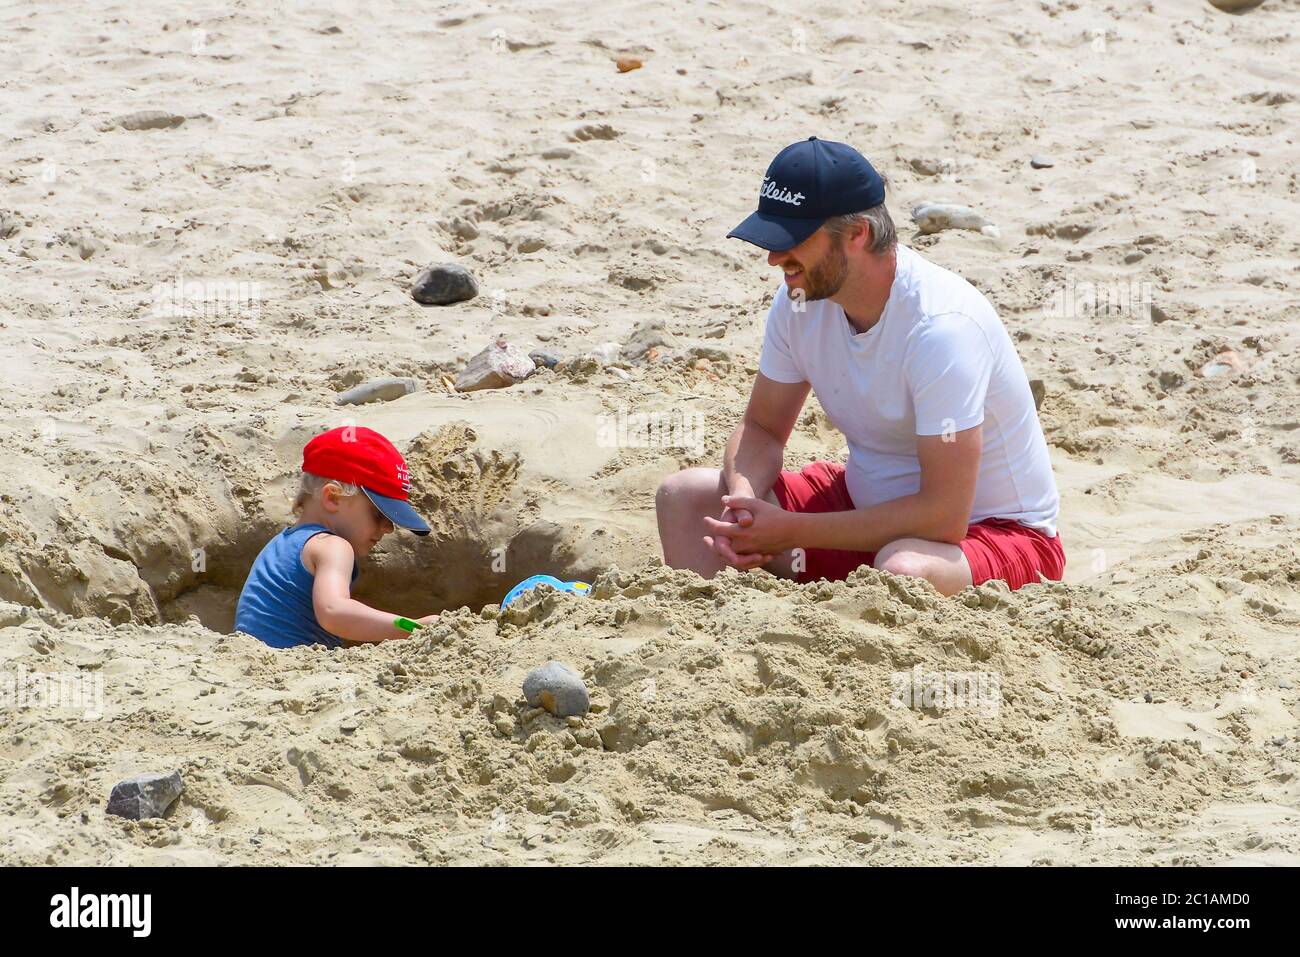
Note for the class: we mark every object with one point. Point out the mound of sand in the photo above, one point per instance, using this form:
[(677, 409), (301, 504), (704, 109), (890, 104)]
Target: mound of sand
[(740, 719)]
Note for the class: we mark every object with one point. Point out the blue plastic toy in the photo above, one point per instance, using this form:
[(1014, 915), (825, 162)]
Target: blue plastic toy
[(576, 588)]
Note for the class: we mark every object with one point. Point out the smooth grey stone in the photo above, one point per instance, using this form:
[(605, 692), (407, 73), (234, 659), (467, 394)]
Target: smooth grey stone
[(1039, 161), (443, 284), (557, 688), (149, 795), (378, 390), (544, 359), (1235, 6)]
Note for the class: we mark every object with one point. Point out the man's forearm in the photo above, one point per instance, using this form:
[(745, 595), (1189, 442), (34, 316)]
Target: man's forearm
[(869, 529), (752, 460)]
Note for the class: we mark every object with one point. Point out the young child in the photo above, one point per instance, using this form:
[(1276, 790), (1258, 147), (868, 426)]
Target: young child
[(355, 489)]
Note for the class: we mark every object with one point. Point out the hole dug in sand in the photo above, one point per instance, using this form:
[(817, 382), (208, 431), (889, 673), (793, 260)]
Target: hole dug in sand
[(138, 543)]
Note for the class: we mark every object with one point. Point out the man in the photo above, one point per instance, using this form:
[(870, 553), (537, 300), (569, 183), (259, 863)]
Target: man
[(948, 477)]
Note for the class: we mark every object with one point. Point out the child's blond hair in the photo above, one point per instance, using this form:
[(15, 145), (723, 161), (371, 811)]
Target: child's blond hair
[(311, 485)]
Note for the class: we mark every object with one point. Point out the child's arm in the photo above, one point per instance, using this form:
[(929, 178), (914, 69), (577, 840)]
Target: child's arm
[(330, 559)]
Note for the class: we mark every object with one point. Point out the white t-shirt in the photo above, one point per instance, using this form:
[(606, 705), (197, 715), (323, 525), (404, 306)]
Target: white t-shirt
[(939, 360)]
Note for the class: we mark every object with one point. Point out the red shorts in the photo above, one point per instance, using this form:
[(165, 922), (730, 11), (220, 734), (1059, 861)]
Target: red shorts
[(994, 548)]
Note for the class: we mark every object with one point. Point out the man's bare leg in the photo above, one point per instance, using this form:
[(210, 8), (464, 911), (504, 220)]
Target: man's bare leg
[(944, 566), (682, 501), (685, 497)]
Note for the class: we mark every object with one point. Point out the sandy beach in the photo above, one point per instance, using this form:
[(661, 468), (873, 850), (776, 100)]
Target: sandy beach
[(210, 222)]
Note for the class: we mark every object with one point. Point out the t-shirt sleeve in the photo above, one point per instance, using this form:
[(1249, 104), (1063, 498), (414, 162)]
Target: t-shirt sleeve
[(947, 367), (776, 362)]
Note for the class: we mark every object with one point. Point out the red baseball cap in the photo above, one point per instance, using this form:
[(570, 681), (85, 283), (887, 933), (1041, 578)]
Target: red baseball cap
[(363, 457)]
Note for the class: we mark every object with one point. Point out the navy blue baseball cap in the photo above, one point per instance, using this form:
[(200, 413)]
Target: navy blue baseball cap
[(808, 183)]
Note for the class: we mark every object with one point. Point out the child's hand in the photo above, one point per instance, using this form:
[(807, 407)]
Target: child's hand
[(427, 619)]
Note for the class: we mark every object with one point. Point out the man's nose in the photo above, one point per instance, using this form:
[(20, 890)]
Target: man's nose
[(775, 258)]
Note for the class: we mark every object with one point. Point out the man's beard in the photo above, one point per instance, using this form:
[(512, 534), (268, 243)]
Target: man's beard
[(826, 279)]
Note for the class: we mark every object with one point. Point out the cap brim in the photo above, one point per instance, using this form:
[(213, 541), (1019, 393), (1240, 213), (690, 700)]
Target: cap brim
[(398, 512), (775, 233)]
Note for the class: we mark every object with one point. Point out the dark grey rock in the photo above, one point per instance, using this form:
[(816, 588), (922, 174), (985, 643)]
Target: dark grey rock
[(544, 360), (557, 688), (443, 284), (149, 795)]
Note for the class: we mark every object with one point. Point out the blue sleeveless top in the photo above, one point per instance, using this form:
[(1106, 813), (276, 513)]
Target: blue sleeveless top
[(275, 605)]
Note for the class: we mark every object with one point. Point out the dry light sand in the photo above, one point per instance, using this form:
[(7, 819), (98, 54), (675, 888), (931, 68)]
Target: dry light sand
[(322, 153)]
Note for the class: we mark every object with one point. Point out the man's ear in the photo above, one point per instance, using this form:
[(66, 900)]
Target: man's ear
[(863, 239), (857, 238)]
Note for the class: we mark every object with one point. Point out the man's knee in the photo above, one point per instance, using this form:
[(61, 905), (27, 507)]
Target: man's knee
[(900, 561), (943, 566), (911, 557), (686, 490)]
